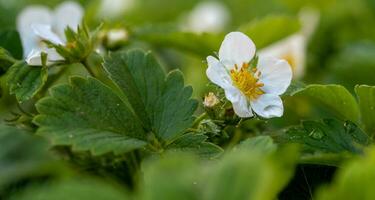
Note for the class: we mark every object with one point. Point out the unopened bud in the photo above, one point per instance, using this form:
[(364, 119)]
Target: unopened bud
[(116, 36), (210, 100)]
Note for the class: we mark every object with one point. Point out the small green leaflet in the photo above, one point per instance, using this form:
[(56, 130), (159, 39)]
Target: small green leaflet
[(26, 81)]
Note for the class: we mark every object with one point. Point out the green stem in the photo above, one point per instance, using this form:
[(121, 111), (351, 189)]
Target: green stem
[(199, 119), (51, 80), (235, 139), (134, 166), (88, 68)]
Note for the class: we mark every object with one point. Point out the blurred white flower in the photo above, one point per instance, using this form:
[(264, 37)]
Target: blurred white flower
[(114, 8), (36, 23), (249, 88), (115, 36), (207, 16), (293, 48)]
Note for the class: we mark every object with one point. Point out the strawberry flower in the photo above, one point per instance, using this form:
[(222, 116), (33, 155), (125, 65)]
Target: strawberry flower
[(207, 16), (37, 23), (250, 88)]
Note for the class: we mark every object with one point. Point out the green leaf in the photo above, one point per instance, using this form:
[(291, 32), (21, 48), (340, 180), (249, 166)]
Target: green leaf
[(263, 144), (22, 155), (366, 99), (244, 174), (270, 29), (162, 102), (294, 87), (73, 189), (334, 97), (353, 181), (6, 60), (192, 142), (25, 81), (250, 175), (88, 115), (200, 44), (174, 176), (328, 135), (11, 41)]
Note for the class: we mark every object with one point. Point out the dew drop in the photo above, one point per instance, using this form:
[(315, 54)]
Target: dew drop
[(317, 134)]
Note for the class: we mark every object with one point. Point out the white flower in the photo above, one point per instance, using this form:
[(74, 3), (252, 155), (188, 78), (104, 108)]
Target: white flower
[(293, 48), (115, 8), (249, 88), (37, 23), (207, 16)]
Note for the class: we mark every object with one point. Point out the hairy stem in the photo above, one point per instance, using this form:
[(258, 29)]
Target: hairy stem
[(199, 119)]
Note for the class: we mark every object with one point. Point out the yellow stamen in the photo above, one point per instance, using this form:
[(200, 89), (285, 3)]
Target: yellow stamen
[(71, 45), (246, 82)]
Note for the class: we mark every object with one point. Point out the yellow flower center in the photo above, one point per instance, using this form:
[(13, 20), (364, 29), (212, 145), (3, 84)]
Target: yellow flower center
[(246, 81)]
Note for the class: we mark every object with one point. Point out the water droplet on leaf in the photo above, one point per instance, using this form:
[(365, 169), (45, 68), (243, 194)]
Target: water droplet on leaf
[(316, 134)]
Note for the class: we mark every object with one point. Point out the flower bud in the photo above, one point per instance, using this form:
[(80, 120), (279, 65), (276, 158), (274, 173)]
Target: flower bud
[(210, 100), (116, 36)]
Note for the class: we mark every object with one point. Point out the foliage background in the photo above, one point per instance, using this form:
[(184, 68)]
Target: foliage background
[(341, 51)]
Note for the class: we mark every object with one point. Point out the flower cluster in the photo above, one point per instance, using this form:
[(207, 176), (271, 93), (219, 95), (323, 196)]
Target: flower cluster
[(38, 23)]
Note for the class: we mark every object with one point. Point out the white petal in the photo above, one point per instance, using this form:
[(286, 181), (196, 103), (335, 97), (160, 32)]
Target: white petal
[(45, 32), (276, 75), (68, 13), (52, 55), (31, 15), (237, 48), (217, 73), (34, 58), (233, 94), (241, 107), (268, 106)]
